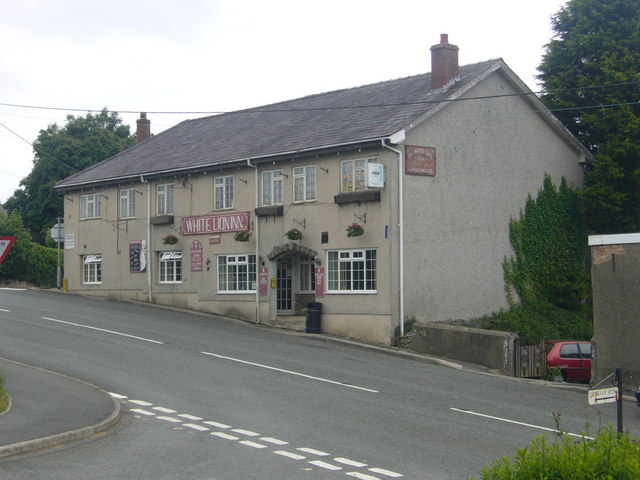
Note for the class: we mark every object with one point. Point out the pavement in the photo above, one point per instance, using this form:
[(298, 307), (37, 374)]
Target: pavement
[(49, 409)]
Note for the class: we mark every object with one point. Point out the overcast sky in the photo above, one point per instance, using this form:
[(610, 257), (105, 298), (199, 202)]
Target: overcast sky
[(223, 55)]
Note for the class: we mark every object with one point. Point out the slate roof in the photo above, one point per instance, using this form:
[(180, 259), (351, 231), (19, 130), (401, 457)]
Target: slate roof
[(342, 117)]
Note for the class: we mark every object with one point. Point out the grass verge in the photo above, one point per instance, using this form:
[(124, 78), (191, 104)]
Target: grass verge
[(4, 396)]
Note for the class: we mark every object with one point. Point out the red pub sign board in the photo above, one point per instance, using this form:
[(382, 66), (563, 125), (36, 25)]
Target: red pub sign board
[(420, 160), (228, 222)]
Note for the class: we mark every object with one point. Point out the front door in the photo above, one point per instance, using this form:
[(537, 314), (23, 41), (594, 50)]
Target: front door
[(284, 286)]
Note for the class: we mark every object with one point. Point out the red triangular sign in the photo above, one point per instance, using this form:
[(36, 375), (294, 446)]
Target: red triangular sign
[(5, 245)]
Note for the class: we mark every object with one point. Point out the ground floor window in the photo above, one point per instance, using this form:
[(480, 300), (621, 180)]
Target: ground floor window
[(351, 270), (170, 267), (92, 269), (236, 273)]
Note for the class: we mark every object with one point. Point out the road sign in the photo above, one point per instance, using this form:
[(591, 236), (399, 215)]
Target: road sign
[(5, 245), (603, 395), (57, 232)]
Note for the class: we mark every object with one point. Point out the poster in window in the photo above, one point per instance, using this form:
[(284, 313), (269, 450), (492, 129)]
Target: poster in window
[(420, 161), (137, 256)]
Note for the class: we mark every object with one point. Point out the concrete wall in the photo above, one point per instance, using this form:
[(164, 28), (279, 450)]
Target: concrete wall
[(490, 154), (494, 350), (615, 276)]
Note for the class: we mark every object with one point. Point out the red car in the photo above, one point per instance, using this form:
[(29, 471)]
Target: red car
[(573, 358)]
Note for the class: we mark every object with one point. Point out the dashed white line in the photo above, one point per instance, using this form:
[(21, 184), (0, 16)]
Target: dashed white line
[(217, 425), (224, 435), (164, 410), (249, 443), (352, 463), (169, 419), (5, 310), (112, 332), (275, 441), (281, 370), (361, 476), (328, 466), (189, 417), (248, 433), (293, 456), (195, 426), (388, 473), (313, 451), (118, 396), (142, 403), (142, 412)]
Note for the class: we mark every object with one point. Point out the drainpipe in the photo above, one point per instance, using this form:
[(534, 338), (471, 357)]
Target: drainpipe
[(257, 229), (400, 232), (149, 282)]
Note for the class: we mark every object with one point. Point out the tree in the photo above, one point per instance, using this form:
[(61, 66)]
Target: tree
[(591, 76), (550, 243), (60, 152)]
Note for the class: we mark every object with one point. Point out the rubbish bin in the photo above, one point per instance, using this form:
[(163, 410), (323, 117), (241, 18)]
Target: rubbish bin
[(314, 310)]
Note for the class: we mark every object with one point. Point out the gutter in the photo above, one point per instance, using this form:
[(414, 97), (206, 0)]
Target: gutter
[(399, 138)]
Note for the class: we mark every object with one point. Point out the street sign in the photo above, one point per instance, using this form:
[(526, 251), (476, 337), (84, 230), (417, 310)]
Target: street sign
[(57, 232), (5, 245), (603, 395)]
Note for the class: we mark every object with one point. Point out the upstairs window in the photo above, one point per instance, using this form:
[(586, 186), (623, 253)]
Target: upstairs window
[(354, 174), (164, 199), (223, 192), (304, 184), (128, 203), (92, 269), (272, 187), (90, 206)]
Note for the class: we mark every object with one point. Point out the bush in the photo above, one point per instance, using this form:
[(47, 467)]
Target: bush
[(609, 456), (537, 320)]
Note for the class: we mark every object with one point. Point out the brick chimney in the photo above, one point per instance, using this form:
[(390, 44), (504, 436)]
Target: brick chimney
[(143, 131), (444, 62)]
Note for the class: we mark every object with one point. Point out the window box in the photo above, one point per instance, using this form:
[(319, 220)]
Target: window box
[(161, 220), (270, 211), (357, 197)]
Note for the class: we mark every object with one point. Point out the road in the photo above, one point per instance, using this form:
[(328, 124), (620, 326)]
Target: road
[(213, 398)]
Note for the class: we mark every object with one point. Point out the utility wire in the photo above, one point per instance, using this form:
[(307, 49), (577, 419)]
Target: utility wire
[(40, 152)]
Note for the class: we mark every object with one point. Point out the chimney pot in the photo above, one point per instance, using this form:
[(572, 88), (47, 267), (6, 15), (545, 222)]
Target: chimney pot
[(143, 130), (444, 62)]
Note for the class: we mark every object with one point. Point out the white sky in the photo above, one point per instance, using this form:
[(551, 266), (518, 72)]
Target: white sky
[(222, 55)]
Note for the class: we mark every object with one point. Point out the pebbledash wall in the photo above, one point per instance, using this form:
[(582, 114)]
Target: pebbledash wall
[(615, 278)]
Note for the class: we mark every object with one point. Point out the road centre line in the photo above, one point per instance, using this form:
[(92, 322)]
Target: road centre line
[(5, 310), (103, 330), (281, 370), (515, 422)]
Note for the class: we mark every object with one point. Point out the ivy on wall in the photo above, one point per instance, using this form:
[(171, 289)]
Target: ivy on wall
[(549, 240)]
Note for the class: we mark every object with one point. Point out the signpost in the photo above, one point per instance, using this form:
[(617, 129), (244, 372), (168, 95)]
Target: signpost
[(596, 396), (5, 245), (57, 234)]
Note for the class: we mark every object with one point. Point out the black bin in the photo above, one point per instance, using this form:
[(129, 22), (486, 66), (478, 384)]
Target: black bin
[(314, 311)]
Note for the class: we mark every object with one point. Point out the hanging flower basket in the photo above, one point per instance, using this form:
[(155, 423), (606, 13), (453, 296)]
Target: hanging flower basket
[(355, 230), (170, 240), (243, 236), (294, 234)]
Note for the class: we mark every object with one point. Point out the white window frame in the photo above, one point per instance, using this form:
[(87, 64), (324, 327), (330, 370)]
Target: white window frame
[(272, 186), (237, 273), (353, 174), (90, 206), (223, 193), (170, 267), (352, 271), (164, 199), (127, 203), (92, 269), (307, 274), (304, 183)]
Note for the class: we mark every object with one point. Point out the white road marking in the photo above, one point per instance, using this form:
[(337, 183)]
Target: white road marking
[(142, 412), (189, 417), (164, 410), (328, 466), (103, 330), (200, 428), (319, 379), (313, 452), (142, 403), (118, 396), (217, 425), (294, 456), (249, 443), (388, 473), (224, 435), (248, 433), (169, 419), (5, 310), (361, 476), (346, 461), (515, 422), (274, 441)]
